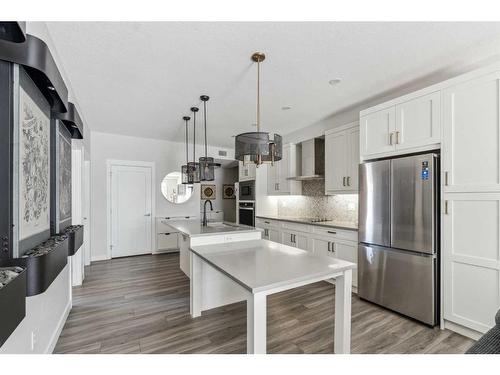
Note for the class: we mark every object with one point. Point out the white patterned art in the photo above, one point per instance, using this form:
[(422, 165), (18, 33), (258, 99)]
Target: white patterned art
[(64, 179), (34, 169)]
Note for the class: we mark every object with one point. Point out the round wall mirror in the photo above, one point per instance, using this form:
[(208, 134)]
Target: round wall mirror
[(173, 190)]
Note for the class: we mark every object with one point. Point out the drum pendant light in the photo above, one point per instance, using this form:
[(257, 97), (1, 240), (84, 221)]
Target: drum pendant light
[(258, 147), (207, 164), (193, 167), (184, 168)]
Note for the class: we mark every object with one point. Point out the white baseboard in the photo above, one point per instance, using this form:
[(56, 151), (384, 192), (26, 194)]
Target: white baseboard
[(464, 331), (60, 326), (97, 258)]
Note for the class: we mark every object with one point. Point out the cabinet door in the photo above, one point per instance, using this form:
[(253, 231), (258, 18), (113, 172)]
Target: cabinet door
[(274, 235), (284, 170), (335, 161), (375, 132), (349, 252), (287, 239), (352, 165), (167, 241), (471, 129), (272, 178), (321, 247), (471, 259), (301, 241), (418, 122)]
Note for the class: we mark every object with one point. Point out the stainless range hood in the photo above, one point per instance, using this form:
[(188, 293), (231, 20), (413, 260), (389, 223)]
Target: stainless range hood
[(313, 160)]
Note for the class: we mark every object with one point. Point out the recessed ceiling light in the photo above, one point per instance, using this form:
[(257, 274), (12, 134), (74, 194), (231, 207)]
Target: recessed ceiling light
[(334, 81), (286, 107)]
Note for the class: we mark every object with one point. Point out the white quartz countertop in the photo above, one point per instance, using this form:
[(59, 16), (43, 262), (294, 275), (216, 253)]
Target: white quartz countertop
[(261, 265), (194, 228), (339, 224)]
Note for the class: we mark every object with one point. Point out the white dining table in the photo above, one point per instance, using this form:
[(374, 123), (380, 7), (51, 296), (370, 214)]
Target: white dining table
[(252, 270)]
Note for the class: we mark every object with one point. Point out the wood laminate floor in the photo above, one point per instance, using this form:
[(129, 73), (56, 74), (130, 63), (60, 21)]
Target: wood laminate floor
[(141, 305)]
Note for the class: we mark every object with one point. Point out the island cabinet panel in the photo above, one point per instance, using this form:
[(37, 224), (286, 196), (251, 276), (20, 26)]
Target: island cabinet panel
[(471, 135), (471, 259)]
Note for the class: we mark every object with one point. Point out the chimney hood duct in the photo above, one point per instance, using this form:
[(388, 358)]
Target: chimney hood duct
[(313, 160)]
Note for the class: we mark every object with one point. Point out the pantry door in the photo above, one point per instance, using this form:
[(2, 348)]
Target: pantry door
[(131, 208)]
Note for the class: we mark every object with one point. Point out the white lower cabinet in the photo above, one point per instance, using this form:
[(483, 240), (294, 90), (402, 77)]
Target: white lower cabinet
[(471, 259), (336, 248), (323, 241)]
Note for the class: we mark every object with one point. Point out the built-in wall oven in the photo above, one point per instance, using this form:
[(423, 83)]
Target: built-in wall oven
[(247, 213), (247, 191)]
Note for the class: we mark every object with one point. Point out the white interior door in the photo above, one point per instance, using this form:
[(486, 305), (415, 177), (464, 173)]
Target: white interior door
[(131, 210), (86, 212)]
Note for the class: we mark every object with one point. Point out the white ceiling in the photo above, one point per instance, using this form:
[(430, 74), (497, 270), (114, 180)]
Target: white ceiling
[(139, 79)]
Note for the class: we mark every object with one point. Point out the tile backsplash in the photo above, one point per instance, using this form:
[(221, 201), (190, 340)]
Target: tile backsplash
[(315, 204)]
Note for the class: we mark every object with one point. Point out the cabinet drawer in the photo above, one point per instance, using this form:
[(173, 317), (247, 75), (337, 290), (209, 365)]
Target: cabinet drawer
[(166, 241), (342, 234), (266, 223), (296, 227)]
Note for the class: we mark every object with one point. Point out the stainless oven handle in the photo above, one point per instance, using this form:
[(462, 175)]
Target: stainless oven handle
[(246, 208)]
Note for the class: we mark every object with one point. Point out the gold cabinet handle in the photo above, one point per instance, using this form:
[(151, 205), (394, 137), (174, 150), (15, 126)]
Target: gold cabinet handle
[(390, 138), (397, 138), (446, 178), (446, 207)]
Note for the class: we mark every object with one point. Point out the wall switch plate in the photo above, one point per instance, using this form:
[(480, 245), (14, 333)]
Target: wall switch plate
[(33, 339)]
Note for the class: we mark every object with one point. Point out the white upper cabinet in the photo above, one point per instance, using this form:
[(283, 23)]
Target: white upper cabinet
[(410, 126), (471, 131), (377, 132), (247, 171), (278, 182), (342, 159), (418, 122)]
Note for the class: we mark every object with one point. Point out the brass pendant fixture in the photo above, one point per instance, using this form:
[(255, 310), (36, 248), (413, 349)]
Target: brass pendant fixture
[(193, 167), (207, 164), (258, 147), (184, 168)]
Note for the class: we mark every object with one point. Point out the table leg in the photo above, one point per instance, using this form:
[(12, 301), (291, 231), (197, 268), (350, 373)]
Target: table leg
[(256, 324), (342, 340), (195, 282)]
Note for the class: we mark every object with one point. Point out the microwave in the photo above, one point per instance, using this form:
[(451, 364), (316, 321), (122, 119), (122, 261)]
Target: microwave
[(247, 191)]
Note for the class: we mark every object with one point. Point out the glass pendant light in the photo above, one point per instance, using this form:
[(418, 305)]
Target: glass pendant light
[(258, 147), (193, 167), (184, 168), (207, 164)]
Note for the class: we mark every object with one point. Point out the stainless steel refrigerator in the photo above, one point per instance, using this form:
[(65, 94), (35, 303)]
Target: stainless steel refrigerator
[(398, 235)]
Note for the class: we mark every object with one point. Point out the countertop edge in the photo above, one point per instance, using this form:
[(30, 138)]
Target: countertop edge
[(319, 224)]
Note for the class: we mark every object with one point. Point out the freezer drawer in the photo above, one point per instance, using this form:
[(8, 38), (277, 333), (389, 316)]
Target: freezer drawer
[(375, 202), (399, 280), (413, 203)]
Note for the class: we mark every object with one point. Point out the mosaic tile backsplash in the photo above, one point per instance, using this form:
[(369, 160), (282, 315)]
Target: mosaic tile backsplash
[(315, 204)]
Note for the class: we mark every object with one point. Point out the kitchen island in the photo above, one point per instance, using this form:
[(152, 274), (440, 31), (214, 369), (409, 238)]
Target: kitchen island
[(193, 233), (252, 270)]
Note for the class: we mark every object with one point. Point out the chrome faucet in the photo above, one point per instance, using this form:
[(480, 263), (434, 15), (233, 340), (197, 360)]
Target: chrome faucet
[(205, 221)]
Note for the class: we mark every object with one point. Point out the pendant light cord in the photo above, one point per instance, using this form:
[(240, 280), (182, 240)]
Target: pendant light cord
[(258, 96), (194, 136), (187, 151), (205, 119)]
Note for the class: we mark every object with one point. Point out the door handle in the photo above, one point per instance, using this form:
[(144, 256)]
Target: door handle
[(390, 138), (446, 178), (333, 247), (147, 215), (446, 207), (343, 181), (329, 243), (331, 232), (397, 137), (348, 181)]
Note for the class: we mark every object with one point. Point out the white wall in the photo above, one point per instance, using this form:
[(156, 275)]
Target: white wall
[(167, 156), (46, 314)]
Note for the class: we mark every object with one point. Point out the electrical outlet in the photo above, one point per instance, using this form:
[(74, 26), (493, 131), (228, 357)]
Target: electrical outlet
[(34, 337)]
